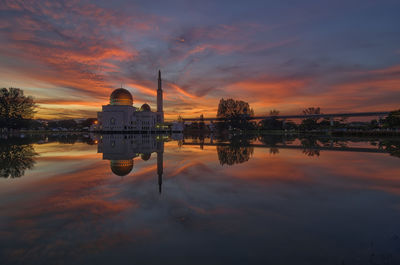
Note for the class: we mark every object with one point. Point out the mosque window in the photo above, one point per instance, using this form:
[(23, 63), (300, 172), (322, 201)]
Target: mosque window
[(112, 121)]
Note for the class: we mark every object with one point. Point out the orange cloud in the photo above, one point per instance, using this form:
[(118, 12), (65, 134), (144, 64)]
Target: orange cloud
[(144, 89), (181, 91)]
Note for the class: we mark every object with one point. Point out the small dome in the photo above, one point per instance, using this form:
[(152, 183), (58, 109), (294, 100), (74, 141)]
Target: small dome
[(121, 167), (121, 96), (145, 107), (146, 156)]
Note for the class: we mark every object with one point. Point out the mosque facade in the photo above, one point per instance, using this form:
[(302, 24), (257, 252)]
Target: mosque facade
[(121, 116)]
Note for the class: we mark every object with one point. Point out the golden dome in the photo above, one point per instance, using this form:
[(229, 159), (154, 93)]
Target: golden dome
[(121, 167), (121, 96), (145, 107)]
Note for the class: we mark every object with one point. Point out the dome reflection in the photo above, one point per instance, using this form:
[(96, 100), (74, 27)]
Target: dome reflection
[(121, 167), (121, 150)]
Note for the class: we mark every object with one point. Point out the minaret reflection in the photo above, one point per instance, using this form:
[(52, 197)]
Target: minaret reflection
[(121, 150), (160, 163)]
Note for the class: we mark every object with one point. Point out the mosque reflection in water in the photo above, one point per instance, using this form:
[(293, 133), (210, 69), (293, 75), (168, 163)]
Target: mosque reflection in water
[(17, 154), (122, 149), (277, 198)]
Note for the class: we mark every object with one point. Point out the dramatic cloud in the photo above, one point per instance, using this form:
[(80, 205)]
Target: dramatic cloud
[(70, 55)]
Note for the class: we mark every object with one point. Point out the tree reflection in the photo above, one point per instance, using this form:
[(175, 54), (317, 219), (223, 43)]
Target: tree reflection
[(15, 159), (392, 146), (232, 154), (310, 146), (272, 141)]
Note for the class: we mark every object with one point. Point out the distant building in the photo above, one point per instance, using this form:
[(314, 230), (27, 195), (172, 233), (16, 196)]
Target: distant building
[(121, 116)]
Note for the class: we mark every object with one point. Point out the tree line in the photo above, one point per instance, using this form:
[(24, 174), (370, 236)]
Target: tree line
[(236, 115), (17, 111)]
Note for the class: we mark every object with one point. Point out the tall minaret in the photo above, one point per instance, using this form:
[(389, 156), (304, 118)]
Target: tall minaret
[(160, 112)]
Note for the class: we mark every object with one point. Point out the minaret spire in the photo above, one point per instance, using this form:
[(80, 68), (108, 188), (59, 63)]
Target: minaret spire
[(160, 111), (159, 80)]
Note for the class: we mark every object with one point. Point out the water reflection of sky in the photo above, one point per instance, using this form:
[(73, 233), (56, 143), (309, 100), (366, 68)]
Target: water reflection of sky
[(280, 208)]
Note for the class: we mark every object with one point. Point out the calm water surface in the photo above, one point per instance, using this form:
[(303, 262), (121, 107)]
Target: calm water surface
[(134, 199)]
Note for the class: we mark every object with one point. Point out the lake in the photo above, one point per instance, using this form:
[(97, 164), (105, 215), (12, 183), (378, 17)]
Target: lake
[(146, 199)]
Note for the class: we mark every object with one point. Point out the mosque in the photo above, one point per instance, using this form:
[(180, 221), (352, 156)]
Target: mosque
[(121, 116)]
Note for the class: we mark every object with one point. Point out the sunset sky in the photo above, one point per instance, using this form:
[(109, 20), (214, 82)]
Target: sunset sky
[(286, 55)]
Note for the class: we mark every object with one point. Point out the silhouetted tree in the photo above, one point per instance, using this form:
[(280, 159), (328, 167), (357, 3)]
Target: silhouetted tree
[(68, 124), (311, 111), (234, 108), (312, 122), (392, 120), (235, 113), (274, 112), (271, 124), (35, 124), (88, 122), (15, 108), (180, 119), (374, 124), (201, 123)]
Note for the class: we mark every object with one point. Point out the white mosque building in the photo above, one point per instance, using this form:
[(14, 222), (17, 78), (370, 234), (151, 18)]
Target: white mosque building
[(121, 116)]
